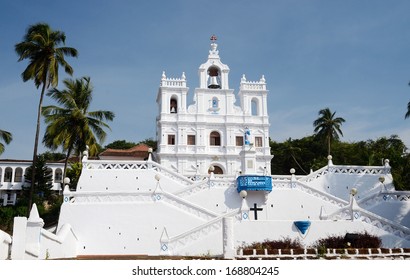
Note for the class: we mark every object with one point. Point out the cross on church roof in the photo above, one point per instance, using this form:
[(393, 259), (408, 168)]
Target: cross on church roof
[(213, 38)]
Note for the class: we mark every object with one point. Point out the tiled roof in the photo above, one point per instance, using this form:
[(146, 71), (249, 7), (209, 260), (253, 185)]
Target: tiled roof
[(140, 150)]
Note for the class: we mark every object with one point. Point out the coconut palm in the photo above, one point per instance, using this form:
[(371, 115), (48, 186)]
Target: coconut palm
[(408, 111), (42, 47), (6, 137), (328, 127), (72, 126)]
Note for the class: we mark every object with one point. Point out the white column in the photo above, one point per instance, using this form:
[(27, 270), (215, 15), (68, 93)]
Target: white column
[(228, 238), (19, 238)]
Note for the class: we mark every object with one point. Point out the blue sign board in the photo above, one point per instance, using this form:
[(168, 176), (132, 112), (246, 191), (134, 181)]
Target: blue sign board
[(254, 183)]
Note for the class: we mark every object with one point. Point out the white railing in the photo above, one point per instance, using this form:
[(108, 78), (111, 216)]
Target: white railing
[(253, 85), (136, 165), (173, 82), (346, 213), (357, 170), (288, 183), (313, 253), (385, 196), (182, 240), (185, 205), (382, 223), (109, 197)]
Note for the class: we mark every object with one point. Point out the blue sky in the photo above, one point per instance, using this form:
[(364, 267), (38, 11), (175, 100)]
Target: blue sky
[(350, 56)]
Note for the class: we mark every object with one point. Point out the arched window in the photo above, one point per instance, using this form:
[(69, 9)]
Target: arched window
[(216, 169), (173, 105), (26, 175), (1, 174), (8, 174), (49, 174), (18, 175), (215, 139), (58, 175), (254, 107)]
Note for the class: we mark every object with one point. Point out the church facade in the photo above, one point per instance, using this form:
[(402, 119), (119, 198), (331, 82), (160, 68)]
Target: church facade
[(221, 131)]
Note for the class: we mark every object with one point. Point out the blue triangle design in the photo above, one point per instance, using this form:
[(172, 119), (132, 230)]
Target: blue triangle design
[(302, 225)]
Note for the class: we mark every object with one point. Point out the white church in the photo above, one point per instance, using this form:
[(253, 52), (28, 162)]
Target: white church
[(208, 189), (213, 131)]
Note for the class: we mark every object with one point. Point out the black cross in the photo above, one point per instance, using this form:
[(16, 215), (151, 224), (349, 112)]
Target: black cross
[(255, 210)]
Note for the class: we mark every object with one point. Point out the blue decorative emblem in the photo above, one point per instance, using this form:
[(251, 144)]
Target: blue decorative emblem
[(164, 247), (245, 216), (158, 197), (302, 226), (385, 197), (356, 215)]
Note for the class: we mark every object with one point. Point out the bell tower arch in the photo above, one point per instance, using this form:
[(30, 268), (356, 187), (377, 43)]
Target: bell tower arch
[(213, 74)]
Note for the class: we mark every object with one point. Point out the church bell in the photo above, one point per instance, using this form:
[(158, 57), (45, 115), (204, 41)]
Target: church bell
[(213, 82)]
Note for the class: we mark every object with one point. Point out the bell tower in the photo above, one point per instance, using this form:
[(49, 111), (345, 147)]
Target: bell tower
[(213, 74), (213, 132)]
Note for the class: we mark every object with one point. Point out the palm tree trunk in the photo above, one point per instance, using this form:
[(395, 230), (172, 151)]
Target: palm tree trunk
[(294, 158), (66, 161), (33, 172), (328, 146)]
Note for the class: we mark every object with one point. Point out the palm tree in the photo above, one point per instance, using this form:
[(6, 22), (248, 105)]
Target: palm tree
[(72, 126), (408, 111), (6, 137), (42, 47), (328, 127)]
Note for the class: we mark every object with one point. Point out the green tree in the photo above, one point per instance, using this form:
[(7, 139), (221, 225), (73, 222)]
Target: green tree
[(328, 127), (120, 145), (42, 46), (6, 137), (149, 142), (43, 182), (74, 172), (50, 156), (72, 126)]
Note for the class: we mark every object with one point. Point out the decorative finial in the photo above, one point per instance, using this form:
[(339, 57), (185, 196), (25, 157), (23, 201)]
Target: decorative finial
[(214, 52), (243, 79)]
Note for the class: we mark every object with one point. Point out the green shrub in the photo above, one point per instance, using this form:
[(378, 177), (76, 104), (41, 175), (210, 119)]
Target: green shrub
[(355, 240), (285, 243)]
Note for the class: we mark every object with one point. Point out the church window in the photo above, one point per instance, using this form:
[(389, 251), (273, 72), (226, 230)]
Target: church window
[(191, 140), (239, 140), (171, 139), (173, 107), (215, 139), (258, 141), (1, 174), (254, 107), (18, 175), (8, 174)]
